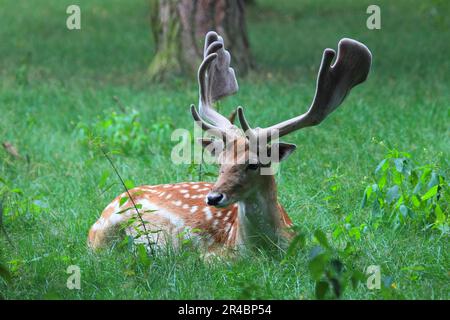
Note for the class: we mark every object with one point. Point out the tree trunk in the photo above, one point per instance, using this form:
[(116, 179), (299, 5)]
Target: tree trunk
[(179, 28)]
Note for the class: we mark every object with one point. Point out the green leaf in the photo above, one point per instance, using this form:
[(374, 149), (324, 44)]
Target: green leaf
[(404, 210), (425, 174), (382, 181), (417, 188), (383, 165), (17, 190), (440, 216), (355, 233), (143, 255), (365, 197), (322, 238), (392, 194), (317, 266), (376, 209), (322, 288), (129, 184), (434, 180), (356, 278), (430, 193), (296, 243), (123, 200), (399, 164), (415, 201), (103, 179)]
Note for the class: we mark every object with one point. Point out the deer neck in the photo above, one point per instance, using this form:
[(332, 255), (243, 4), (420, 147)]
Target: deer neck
[(259, 217)]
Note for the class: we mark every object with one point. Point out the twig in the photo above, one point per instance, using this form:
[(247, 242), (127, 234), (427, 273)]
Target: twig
[(8, 146), (3, 227), (120, 104), (200, 169), (131, 198)]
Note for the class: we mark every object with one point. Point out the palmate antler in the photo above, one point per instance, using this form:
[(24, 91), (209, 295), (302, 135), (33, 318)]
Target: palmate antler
[(216, 80), (334, 82)]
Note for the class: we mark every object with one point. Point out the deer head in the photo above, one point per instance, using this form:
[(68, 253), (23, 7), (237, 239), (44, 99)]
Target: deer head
[(243, 154)]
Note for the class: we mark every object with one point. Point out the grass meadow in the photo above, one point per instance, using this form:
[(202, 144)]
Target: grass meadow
[(56, 85)]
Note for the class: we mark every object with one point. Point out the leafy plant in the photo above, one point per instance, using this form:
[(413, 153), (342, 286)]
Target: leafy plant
[(330, 268), (346, 227), (405, 193), (16, 204), (124, 132)]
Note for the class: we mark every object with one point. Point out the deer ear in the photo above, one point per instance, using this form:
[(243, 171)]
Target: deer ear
[(213, 146), (280, 151)]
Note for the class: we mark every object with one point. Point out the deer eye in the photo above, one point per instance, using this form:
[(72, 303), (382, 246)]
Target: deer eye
[(253, 166)]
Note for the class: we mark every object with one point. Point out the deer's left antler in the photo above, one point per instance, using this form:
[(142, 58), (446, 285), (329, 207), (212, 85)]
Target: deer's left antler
[(334, 82)]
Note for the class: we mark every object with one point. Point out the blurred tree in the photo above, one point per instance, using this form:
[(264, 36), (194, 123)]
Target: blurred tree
[(179, 27)]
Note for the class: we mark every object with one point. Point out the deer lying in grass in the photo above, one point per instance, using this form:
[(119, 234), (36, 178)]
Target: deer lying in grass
[(240, 209)]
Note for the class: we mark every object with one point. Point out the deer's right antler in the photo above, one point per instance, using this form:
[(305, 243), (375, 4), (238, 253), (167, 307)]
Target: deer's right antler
[(216, 80)]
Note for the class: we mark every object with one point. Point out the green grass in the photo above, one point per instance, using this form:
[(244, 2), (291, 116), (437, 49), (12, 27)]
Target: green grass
[(52, 78)]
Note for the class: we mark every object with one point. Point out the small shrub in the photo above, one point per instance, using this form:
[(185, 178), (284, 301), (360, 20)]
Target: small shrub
[(125, 133), (16, 204), (331, 268), (405, 193)]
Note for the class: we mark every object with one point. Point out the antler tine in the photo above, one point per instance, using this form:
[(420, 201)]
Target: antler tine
[(205, 100), (216, 79), (249, 132), (206, 126), (334, 82)]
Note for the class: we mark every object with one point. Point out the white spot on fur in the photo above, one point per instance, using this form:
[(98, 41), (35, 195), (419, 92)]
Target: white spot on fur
[(115, 218), (168, 196), (187, 195), (195, 186), (173, 218), (184, 191), (177, 203), (99, 224), (193, 209), (208, 213), (185, 206)]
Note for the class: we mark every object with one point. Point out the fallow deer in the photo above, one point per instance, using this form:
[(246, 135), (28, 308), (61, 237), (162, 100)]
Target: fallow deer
[(240, 209)]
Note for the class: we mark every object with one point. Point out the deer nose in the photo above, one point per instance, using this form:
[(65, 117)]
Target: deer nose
[(214, 198)]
